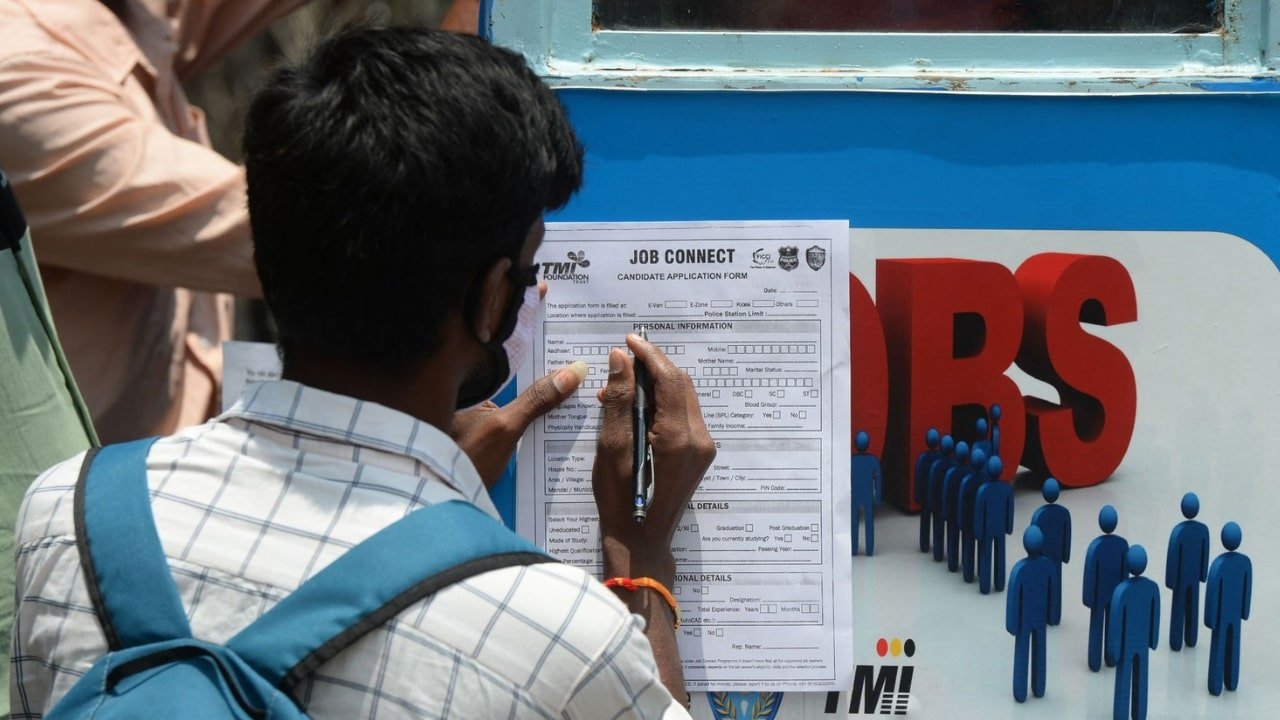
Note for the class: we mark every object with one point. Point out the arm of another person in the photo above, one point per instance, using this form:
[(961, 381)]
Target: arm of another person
[(682, 452), (463, 17), (110, 191), (207, 31)]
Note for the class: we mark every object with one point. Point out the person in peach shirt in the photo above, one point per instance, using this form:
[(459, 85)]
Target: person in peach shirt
[(140, 227)]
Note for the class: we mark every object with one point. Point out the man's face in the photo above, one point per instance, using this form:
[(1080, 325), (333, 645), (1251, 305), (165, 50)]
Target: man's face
[(489, 375)]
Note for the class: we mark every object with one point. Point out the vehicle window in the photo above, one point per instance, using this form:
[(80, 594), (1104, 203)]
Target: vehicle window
[(942, 16)]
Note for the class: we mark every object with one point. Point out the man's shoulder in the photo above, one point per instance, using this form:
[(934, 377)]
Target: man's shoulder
[(25, 37), (47, 507)]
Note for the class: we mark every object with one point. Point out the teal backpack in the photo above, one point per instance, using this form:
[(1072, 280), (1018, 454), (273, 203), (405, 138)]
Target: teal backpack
[(156, 669)]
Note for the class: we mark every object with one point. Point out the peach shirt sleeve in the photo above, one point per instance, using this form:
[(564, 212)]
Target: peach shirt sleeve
[(113, 191)]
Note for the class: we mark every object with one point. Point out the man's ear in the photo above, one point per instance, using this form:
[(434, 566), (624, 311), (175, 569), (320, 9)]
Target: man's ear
[(493, 300)]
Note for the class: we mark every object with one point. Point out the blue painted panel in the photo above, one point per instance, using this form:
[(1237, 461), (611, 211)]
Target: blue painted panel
[(931, 160)]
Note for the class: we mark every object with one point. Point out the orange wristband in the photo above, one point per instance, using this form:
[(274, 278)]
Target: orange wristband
[(646, 582)]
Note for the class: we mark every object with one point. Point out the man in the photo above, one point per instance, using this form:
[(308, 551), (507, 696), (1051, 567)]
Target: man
[(42, 418), (992, 521), (1226, 606), (397, 180), (924, 461), (1104, 569), (1133, 629), (141, 227), (1054, 521), (1186, 566), (1032, 600)]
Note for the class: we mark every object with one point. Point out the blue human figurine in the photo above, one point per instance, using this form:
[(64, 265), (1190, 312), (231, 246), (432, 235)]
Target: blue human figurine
[(868, 489), (921, 488), (968, 496), (992, 521), (1132, 630), (1185, 568), (1226, 605), (937, 473), (1104, 569), (995, 428), (951, 502), (1054, 521), (982, 439), (1027, 610)]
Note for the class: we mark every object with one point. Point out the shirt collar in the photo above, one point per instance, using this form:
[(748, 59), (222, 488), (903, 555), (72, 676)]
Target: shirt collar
[(306, 410)]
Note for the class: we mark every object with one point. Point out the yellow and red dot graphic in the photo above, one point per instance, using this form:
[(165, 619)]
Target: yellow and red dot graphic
[(895, 647)]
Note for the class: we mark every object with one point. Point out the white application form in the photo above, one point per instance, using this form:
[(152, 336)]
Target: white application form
[(757, 314)]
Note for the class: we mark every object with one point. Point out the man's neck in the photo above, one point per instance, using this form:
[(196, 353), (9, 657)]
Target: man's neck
[(427, 393)]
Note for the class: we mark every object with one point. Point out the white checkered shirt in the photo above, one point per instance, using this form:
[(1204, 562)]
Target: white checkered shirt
[(251, 504)]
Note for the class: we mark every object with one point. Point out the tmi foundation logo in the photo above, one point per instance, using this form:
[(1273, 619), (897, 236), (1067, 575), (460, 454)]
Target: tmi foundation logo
[(574, 270), (879, 689)]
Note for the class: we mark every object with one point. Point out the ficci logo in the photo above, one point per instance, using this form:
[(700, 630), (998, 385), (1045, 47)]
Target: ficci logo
[(879, 690)]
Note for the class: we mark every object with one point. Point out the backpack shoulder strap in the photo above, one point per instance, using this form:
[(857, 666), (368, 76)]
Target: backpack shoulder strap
[(423, 552), (125, 569)]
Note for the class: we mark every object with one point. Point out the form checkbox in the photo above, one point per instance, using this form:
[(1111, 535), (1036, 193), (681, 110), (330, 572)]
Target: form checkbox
[(804, 415), (715, 393), (719, 632), (677, 304), (813, 527), (786, 538), (586, 529), (750, 527), (693, 527), (704, 590), (746, 393), (697, 632)]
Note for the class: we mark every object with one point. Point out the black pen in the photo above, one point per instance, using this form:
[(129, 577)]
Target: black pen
[(642, 464)]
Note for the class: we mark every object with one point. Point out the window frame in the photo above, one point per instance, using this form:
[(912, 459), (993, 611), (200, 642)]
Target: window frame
[(563, 46)]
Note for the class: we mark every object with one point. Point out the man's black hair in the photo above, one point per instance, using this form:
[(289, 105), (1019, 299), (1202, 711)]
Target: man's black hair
[(387, 172)]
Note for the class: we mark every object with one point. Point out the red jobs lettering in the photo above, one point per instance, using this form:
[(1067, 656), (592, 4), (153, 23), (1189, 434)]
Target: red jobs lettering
[(946, 331)]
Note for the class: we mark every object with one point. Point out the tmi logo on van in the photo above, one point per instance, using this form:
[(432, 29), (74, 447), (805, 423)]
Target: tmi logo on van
[(879, 689)]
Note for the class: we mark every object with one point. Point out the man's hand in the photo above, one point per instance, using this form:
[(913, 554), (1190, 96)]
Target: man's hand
[(488, 433), (682, 452)]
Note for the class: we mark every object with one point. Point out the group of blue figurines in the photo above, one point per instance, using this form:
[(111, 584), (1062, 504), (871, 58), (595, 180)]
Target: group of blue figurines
[(966, 514), (1124, 606)]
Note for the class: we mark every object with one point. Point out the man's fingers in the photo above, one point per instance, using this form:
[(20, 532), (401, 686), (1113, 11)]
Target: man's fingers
[(544, 396), (669, 381), (619, 391)]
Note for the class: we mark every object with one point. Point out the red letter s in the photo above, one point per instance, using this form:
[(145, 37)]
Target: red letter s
[(1082, 441)]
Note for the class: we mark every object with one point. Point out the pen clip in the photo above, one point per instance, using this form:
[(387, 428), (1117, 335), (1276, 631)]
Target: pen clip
[(649, 478)]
